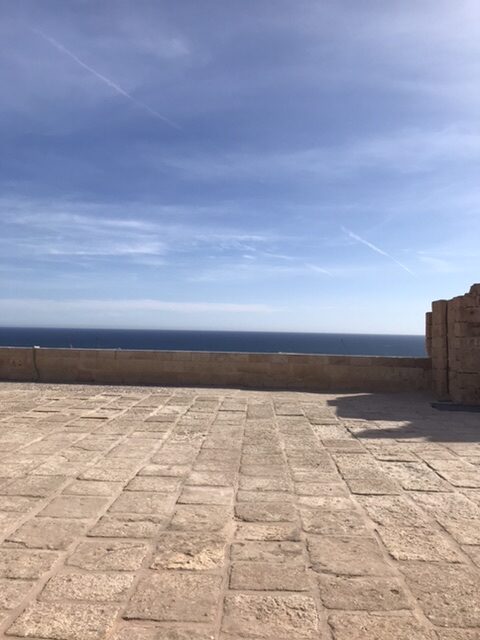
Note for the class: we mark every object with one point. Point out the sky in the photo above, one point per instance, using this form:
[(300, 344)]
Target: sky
[(238, 164)]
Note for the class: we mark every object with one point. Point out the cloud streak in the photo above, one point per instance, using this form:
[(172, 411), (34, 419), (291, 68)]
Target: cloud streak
[(373, 247), (113, 85)]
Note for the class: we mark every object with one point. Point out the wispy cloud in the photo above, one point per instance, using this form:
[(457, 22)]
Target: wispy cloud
[(129, 305), (373, 247), (110, 83)]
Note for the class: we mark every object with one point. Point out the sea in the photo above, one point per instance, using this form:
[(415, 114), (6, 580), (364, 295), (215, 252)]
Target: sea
[(243, 341)]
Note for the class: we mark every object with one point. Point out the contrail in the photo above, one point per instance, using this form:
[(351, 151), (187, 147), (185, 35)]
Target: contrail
[(376, 249), (117, 88)]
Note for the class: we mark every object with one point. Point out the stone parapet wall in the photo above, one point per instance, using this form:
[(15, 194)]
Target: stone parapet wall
[(455, 347), (248, 370)]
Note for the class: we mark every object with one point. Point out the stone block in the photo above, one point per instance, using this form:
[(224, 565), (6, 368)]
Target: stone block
[(174, 596)]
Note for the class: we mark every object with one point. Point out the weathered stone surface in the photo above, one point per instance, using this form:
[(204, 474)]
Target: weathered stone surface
[(265, 512), (206, 495), (284, 617), (100, 555), (92, 488), (268, 552), (160, 484), (331, 522), (372, 626), (267, 532), (134, 632), (175, 596), (200, 517), (128, 526), (75, 507), (93, 587), (419, 544), (12, 592), (158, 504), (65, 621), (176, 550), (25, 564), (362, 593), (49, 533), (265, 576), (349, 556), (448, 594)]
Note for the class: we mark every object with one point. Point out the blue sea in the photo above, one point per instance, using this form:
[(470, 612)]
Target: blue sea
[(246, 341)]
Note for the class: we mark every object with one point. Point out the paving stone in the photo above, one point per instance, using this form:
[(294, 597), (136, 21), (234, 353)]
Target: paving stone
[(263, 471), (206, 495), (474, 553), (49, 533), (129, 526), (75, 507), (348, 556), (415, 476), (290, 553), (100, 555), (12, 592), (211, 479), (395, 511), (372, 626), (92, 488), (265, 576), (175, 596), (25, 564), (200, 517), (143, 633), (264, 496), (102, 587), (165, 484), (166, 470), (326, 522), (362, 593), (448, 594), (20, 504), (34, 486), (255, 483), (265, 512), (267, 532), (419, 544), (283, 617), (159, 504), (65, 621), (458, 634), (374, 483), (177, 550)]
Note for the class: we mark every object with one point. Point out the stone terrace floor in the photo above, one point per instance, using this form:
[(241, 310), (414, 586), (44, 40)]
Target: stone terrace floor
[(180, 514)]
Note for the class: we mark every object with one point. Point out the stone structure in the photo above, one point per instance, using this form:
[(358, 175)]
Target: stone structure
[(453, 343), (196, 368)]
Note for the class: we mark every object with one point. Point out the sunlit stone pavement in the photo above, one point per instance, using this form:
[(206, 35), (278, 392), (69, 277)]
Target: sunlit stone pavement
[(183, 514)]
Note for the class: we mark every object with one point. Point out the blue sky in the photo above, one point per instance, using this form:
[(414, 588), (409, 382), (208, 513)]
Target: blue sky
[(253, 164)]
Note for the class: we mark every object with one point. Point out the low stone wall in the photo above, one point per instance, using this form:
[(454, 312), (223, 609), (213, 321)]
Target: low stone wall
[(248, 370)]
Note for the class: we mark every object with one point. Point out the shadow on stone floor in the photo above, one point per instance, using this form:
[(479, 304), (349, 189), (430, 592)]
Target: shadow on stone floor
[(405, 417)]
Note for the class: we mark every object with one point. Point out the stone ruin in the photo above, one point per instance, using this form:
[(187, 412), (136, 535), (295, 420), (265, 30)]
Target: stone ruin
[(453, 343)]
